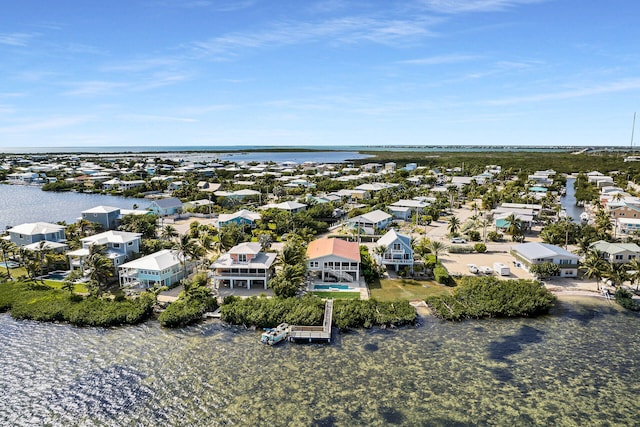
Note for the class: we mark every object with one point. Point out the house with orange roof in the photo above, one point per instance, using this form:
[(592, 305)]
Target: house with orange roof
[(334, 260)]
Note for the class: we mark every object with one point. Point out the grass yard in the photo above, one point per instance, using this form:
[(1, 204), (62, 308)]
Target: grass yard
[(79, 288), (405, 289), (337, 295)]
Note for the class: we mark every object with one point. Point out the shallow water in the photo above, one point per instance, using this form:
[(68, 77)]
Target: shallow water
[(577, 367)]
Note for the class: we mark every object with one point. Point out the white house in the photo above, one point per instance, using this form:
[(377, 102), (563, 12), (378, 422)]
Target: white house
[(537, 253), (244, 265), (28, 233), (334, 260), (627, 225), (292, 207), (370, 222), (162, 268), (397, 250), (119, 246)]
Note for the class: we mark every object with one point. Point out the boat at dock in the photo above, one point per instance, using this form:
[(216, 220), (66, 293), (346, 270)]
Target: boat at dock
[(275, 335)]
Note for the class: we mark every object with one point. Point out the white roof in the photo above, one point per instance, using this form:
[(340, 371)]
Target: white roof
[(36, 228), (535, 250), (101, 209), (246, 248), (111, 236), (391, 236), (157, 261), (261, 260), (46, 245), (376, 216)]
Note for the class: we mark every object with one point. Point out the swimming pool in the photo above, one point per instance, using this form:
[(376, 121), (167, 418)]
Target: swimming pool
[(9, 264), (56, 275), (334, 287)]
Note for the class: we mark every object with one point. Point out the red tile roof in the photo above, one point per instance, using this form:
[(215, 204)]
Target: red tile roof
[(338, 247)]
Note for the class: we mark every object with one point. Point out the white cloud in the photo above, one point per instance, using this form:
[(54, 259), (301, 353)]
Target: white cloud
[(156, 118), (442, 59), (91, 88), (16, 39), (462, 6), (45, 124), (613, 87)]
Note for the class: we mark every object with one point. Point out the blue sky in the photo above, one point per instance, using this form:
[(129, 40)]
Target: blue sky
[(313, 73)]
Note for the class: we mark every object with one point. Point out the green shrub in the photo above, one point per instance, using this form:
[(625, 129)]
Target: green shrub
[(309, 311), (441, 275), (46, 304), (478, 297), (624, 298), (186, 311), (494, 236), (458, 249), (480, 248), (474, 235)]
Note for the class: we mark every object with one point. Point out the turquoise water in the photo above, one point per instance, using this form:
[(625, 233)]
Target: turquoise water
[(578, 367), (20, 204), (326, 287)]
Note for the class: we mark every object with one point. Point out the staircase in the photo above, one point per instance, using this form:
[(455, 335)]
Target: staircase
[(341, 275)]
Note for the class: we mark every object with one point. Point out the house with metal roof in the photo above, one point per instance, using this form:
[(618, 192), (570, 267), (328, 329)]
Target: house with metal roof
[(168, 206), (28, 233), (334, 260), (162, 268), (537, 253), (119, 246), (107, 216), (616, 253), (370, 222), (244, 265), (397, 250)]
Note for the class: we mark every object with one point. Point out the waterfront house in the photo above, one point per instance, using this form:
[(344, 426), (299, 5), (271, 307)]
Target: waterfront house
[(199, 204), (616, 253), (627, 225), (168, 206), (334, 260), (244, 265), (162, 268), (371, 222), (119, 246), (107, 216), (26, 234), (242, 217), (397, 250), (536, 253), (117, 184)]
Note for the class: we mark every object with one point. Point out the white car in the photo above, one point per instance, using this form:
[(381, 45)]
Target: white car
[(458, 240), (473, 268)]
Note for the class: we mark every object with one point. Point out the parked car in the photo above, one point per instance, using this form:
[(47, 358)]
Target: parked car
[(473, 268), (458, 240)]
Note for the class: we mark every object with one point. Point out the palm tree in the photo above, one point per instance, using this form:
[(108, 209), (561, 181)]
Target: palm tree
[(515, 227), (436, 247), (100, 269), (634, 271), (594, 266), (168, 232), (454, 225), (6, 247), (616, 273), (379, 251), (186, 247)]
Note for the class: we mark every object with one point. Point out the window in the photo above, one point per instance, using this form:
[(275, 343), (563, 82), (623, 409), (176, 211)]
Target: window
[(130, 244), (396, 246), (313, 264), (242, 257), (116, 245), (632, 256), (619, 257)]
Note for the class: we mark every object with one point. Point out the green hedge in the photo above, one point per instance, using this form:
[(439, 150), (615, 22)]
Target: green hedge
[(309, 311), (478, 297), (186, 310), (624, 298), (441, 275), (45, 304)]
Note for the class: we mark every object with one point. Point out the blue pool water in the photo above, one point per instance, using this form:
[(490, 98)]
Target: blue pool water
[(56, 275), (326, 287), (9, 264)]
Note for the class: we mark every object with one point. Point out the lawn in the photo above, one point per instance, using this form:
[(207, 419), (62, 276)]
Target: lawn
[(338, 295), (79, 288), (405, 289)]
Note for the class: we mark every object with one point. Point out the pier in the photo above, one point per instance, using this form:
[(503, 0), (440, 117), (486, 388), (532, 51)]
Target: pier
[(312, 333)]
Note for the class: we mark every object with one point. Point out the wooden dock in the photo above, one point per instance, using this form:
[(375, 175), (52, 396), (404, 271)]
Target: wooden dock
[(313, 333)]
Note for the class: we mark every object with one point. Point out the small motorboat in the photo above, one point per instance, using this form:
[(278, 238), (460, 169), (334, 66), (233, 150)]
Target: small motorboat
[(275, 335)]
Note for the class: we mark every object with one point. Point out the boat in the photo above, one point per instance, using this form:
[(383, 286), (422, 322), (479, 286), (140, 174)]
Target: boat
[(275, 335), (562, 213), (584, 217)]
